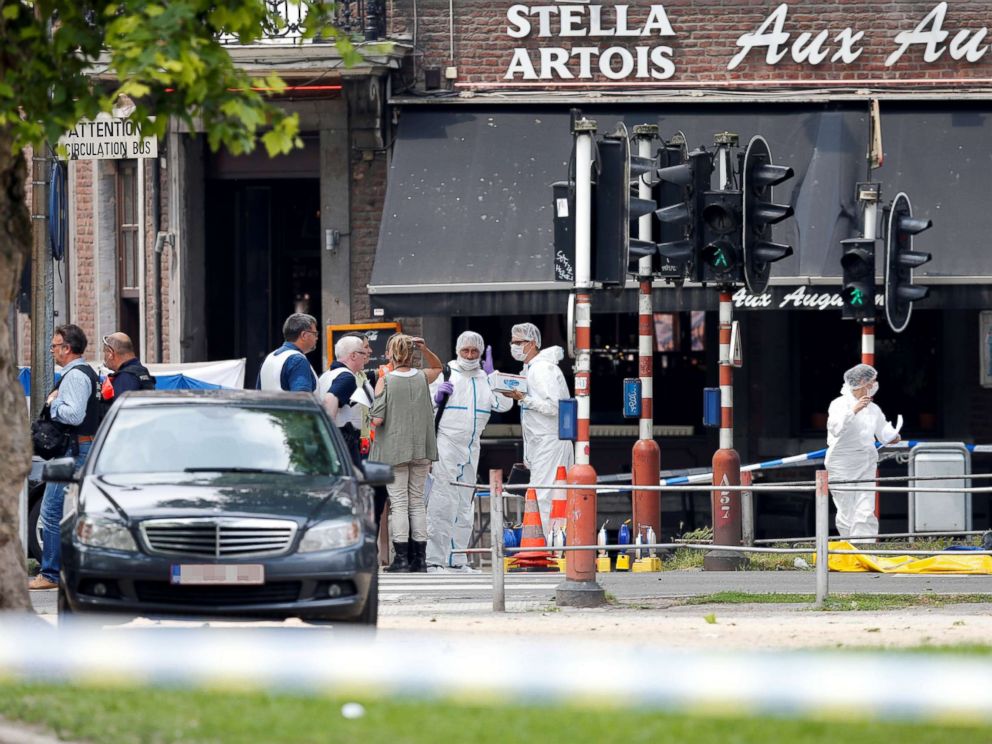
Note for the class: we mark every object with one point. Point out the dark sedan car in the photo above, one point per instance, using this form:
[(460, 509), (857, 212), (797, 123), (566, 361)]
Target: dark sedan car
[(215, 502)]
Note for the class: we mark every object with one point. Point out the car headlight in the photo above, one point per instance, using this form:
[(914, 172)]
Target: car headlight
[(330, 535), (101, 532)]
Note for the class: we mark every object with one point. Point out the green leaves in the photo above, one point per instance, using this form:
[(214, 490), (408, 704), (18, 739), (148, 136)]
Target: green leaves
[(166, 56)]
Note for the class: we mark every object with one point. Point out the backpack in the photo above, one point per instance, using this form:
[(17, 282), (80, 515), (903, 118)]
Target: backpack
[(51, 439), (445, 377)]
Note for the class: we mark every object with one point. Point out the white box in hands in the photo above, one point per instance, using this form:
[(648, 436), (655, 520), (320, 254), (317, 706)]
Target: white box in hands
[(507, 383)]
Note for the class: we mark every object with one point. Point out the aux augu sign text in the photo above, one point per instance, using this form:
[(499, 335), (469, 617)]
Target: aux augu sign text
[(651, 60)]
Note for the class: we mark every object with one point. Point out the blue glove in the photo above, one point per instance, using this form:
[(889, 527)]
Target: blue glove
[(487, 363), (443, 391)]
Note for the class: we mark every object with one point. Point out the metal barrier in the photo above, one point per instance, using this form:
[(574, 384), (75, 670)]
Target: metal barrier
[(821, 493)]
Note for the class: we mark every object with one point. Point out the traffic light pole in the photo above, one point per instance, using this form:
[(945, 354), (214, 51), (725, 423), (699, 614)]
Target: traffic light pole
[(869, 194), (646, 456), (580, 588), (725, 505)]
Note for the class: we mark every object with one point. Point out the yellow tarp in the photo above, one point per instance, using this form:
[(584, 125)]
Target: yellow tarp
[(962, 563)]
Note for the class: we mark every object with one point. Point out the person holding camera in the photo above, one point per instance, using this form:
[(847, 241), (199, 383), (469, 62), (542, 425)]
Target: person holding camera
[(74, 405)]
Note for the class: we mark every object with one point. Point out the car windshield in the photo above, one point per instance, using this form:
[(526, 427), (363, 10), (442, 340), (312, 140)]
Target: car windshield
[(223, 438)]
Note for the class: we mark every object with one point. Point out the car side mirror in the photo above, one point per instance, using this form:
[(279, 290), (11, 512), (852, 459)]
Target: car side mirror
[(59, 470), (377, 473)]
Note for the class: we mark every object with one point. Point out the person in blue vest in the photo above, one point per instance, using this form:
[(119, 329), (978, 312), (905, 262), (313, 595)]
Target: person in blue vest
[(287, 368)]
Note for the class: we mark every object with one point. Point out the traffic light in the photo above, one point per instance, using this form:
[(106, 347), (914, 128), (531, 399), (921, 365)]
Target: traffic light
[(674, 255), (681, 212), (759, 175), (900, 260), (858, 291), (721, 256), (614, 211)]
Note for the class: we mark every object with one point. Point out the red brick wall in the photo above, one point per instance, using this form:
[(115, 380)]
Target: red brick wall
[(705, 40), (82, 289), (368, 190)]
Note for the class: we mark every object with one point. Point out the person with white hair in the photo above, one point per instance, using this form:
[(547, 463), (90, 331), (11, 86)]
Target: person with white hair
[(854, 422), (465, 399), (345, 391), (543, 451)]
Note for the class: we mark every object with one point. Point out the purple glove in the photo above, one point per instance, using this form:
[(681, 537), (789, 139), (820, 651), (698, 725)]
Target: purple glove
[(443, 391), (487, 363)]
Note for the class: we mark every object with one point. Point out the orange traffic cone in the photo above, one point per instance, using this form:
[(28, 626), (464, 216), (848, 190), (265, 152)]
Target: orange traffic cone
[(532, 537)]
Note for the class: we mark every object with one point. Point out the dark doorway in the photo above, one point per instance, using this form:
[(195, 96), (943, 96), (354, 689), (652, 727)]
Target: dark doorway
[(263, 263)]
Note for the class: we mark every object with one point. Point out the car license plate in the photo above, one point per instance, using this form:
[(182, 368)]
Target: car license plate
[(211, 573)]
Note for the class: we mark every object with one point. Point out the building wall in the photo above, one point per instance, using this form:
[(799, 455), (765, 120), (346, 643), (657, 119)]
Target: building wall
[(705, 40), (368, 191)]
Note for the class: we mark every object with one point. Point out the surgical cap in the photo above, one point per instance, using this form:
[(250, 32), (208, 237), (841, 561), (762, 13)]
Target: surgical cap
[(527, 332), (470, 338), (860, 375)]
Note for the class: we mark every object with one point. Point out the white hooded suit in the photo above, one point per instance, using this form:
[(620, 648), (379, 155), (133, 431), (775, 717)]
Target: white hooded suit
[(450, 512), (543, 451), (852, 456)]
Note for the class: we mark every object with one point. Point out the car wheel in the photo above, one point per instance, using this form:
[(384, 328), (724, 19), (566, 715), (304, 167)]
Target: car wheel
[(370, 613), (63, 602), (34, 531)]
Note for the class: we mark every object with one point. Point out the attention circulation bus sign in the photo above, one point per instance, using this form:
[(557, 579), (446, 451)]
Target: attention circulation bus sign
[(106, 138)]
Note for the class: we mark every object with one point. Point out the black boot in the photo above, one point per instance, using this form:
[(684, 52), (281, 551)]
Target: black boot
[(401, 561), (419, 562)]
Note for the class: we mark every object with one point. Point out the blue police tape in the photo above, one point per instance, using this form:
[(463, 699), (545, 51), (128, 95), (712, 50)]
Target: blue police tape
[(807, 458)]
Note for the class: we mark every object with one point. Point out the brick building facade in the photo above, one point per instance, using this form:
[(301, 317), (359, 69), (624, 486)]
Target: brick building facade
[(466, 106)]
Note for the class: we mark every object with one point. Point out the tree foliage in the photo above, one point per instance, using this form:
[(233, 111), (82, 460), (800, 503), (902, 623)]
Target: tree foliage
[(62, 61)]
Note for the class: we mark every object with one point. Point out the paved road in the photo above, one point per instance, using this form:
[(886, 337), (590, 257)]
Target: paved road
[(457, 590)]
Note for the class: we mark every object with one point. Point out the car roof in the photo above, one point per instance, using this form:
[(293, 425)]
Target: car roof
[(280, 399)]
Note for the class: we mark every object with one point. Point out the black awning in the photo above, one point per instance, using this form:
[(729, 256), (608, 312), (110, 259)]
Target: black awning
[(467, 221)]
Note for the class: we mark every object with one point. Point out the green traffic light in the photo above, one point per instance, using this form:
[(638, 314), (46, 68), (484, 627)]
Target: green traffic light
[(857, 297), (720, 259)]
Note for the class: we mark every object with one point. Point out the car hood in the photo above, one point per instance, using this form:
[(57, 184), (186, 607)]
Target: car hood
[(301, 498)]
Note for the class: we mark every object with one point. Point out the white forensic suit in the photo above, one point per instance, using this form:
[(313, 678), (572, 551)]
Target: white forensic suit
[(852, 456), (543, 451), (450, 513)]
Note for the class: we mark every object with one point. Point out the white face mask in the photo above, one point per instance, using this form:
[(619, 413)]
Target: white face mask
[(872, 390), (517, 352), (468, 364)]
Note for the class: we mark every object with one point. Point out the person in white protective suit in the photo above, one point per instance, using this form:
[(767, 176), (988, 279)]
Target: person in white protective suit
[(854, 422), (465, 399), (543, 451)]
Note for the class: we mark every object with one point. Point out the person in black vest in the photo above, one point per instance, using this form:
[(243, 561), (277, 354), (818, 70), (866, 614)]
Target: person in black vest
[(127, 373), (74, 404)]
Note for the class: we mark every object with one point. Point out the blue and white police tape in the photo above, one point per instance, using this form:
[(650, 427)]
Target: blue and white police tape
[(501, 669)]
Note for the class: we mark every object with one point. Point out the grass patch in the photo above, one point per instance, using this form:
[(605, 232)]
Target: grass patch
[(133, 715), (843, 602)]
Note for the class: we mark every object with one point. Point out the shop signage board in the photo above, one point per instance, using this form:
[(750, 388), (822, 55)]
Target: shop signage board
[(582, 41), (106, 138)]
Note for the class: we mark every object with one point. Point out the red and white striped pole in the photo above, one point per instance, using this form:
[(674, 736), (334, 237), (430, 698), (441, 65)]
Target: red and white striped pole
[(646, 456), (868, 342), (870, 198), (726, 505), (580, 588)]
